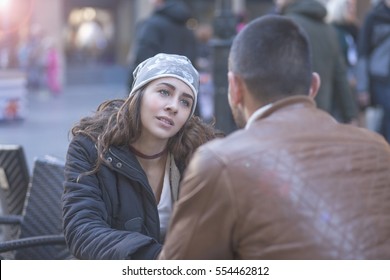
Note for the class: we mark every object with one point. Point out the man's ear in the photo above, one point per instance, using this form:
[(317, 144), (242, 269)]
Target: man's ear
[(235, 89), (315, 85)]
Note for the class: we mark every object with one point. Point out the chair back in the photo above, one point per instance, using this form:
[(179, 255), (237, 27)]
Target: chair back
[(42, 213), (14, 181)]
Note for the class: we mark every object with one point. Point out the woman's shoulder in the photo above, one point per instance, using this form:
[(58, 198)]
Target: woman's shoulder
[(82, 139), (81, 143)]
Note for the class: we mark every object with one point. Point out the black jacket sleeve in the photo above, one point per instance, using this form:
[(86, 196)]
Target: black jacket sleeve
[(85, 216)]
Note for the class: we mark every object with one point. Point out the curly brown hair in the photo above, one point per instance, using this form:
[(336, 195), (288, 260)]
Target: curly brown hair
[(117, 122)]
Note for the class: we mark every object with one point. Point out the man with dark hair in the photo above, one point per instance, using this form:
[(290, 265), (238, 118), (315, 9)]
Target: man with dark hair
[(293, 183)]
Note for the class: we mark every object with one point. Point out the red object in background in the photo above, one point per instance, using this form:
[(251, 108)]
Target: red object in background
[(12, 109), (52, 71)]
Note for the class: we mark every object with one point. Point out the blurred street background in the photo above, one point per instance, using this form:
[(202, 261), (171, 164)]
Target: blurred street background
[(86, 46), (48, 119)]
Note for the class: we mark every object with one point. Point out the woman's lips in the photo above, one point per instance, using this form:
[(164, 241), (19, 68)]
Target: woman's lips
[(166, 120)]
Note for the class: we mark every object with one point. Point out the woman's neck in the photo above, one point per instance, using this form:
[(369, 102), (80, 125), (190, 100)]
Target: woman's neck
[(155, 171), (152, 156), (148, 149), (147, 156)]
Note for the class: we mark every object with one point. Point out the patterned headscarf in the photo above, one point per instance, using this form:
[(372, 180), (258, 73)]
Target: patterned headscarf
[(167, 65)]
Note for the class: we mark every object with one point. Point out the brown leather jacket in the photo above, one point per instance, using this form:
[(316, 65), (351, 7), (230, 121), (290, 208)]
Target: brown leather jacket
[(294, 185)]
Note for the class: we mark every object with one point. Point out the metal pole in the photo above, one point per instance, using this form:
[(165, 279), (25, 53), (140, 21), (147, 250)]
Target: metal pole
[(224, 32)]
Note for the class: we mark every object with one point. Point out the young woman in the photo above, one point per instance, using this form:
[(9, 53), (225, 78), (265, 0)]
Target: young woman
[(125, 162)]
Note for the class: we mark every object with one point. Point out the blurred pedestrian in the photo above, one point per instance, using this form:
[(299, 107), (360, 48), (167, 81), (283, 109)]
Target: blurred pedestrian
[(34, 55), (293, 183), (52, 66), (327, 57), (125, 162), (242, 20), (342, 15), (204, 64), (374, 62), (165, 31)]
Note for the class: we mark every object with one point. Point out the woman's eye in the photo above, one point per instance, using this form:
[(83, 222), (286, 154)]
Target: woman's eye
[(164, 92), (186, 103)]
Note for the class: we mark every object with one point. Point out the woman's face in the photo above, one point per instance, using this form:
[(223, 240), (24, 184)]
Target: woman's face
[(165, 107)]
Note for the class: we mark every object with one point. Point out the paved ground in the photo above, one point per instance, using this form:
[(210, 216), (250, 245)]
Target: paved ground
[(45, 129)]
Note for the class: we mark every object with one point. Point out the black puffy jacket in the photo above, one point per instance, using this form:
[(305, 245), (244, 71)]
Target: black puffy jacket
[(111, 214)]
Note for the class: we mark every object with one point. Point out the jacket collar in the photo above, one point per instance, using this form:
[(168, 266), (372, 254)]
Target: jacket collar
[(122, 160), (293, 101), (125, 162), (257, 114), (174, 177)]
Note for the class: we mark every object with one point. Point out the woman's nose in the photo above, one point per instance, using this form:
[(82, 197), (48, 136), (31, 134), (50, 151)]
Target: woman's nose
[(171, 107)]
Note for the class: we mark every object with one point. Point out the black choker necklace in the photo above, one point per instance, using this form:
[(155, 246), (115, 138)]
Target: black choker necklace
[(141, 155)]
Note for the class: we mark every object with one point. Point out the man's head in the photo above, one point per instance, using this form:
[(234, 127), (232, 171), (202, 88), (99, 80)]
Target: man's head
[(269, 60)]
